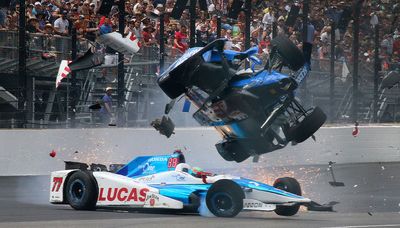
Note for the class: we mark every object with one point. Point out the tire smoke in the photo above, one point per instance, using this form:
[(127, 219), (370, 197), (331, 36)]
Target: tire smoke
[(203, 209)]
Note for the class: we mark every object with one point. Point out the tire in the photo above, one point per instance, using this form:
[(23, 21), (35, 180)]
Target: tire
[(170, 87), (81, 191), (180, 78), (291, 55), (225, 198), (232, 150), (310, 124), (291, 185)]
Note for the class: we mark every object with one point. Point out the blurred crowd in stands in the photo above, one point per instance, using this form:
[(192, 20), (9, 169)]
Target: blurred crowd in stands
[(57, 17)]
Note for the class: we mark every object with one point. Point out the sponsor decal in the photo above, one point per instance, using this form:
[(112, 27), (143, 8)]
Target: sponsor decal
[(146, 178), (158, 159), (179, 177), (122, 194), (57, 181), (148, 168), (302, 74), (253, 205), (152, 198)]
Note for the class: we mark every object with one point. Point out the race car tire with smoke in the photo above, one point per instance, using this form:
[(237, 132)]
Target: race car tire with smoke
[(225, 198), (291, 185), (81, 191)]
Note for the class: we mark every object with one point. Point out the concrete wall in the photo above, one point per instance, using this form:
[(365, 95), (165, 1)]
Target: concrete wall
[(26, 152)]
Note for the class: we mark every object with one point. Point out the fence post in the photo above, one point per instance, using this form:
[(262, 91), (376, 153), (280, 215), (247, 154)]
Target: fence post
[(247, 34), (121, 74), (356, 34), (306, 5), (73, 90), (274, 29), (33, 101), (376, 73), (219, 26), (192, 11), (332, 74), (162, 44), (22, 75)]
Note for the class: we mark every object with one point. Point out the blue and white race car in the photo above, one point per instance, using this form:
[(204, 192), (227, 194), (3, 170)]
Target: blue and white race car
[(168, 182), (255, 111)]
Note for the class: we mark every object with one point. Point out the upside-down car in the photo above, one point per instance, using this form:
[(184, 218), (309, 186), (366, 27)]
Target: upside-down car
[(255, 111), (167, 182)]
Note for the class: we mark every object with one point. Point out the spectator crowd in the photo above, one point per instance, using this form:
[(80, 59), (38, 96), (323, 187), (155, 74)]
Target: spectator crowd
[(58, 17)]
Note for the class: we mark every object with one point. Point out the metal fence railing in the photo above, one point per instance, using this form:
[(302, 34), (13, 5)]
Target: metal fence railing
[(37, 44), (142, 91)]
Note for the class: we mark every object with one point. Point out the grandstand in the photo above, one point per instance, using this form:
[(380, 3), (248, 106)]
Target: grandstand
[(51, 26)]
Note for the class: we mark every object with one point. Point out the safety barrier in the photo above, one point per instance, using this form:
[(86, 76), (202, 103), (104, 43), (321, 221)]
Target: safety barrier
[(26, 152)]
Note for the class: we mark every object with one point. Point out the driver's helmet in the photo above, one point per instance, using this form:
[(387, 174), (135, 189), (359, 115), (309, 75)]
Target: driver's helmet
[(196, 171), (180, 155)]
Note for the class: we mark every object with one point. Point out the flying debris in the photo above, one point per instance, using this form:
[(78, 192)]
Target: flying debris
[(89, 60), (63, 72), (127, 46), (164, 125), (53, 153), (356, 131), (334, 183)]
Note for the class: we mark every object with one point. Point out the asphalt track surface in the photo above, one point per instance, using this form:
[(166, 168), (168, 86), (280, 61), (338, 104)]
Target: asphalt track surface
[(370, 198)]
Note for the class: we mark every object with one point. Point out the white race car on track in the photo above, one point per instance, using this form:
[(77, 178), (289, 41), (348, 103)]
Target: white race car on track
[(167, 182)]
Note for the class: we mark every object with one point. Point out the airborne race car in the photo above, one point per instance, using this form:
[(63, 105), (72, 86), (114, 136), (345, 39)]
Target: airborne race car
[(167, 182), (256, 112)]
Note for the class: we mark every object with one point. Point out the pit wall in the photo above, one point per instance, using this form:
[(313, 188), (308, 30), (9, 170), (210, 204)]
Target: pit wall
[(26, 152)]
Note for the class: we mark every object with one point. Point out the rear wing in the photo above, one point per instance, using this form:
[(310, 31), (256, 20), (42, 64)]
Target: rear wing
[(147, 165)]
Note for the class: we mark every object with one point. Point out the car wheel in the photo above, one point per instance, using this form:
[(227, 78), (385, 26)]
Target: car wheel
[(171, 87), (291, 55), (291, 185), (308, 126), (81, 191), (232, 150), (225, 198)]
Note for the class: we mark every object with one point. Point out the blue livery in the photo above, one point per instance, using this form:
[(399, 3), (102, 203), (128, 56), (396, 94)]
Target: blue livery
[(147, 165), (177, 180), (255, 111)]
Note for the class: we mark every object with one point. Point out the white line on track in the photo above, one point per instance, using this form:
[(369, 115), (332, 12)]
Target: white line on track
[(365, 226)]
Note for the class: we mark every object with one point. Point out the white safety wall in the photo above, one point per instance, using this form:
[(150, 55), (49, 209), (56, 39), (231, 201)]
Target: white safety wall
[(26, 152)]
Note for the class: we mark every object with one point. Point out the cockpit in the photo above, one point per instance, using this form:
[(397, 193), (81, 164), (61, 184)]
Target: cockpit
[(194, 171)]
